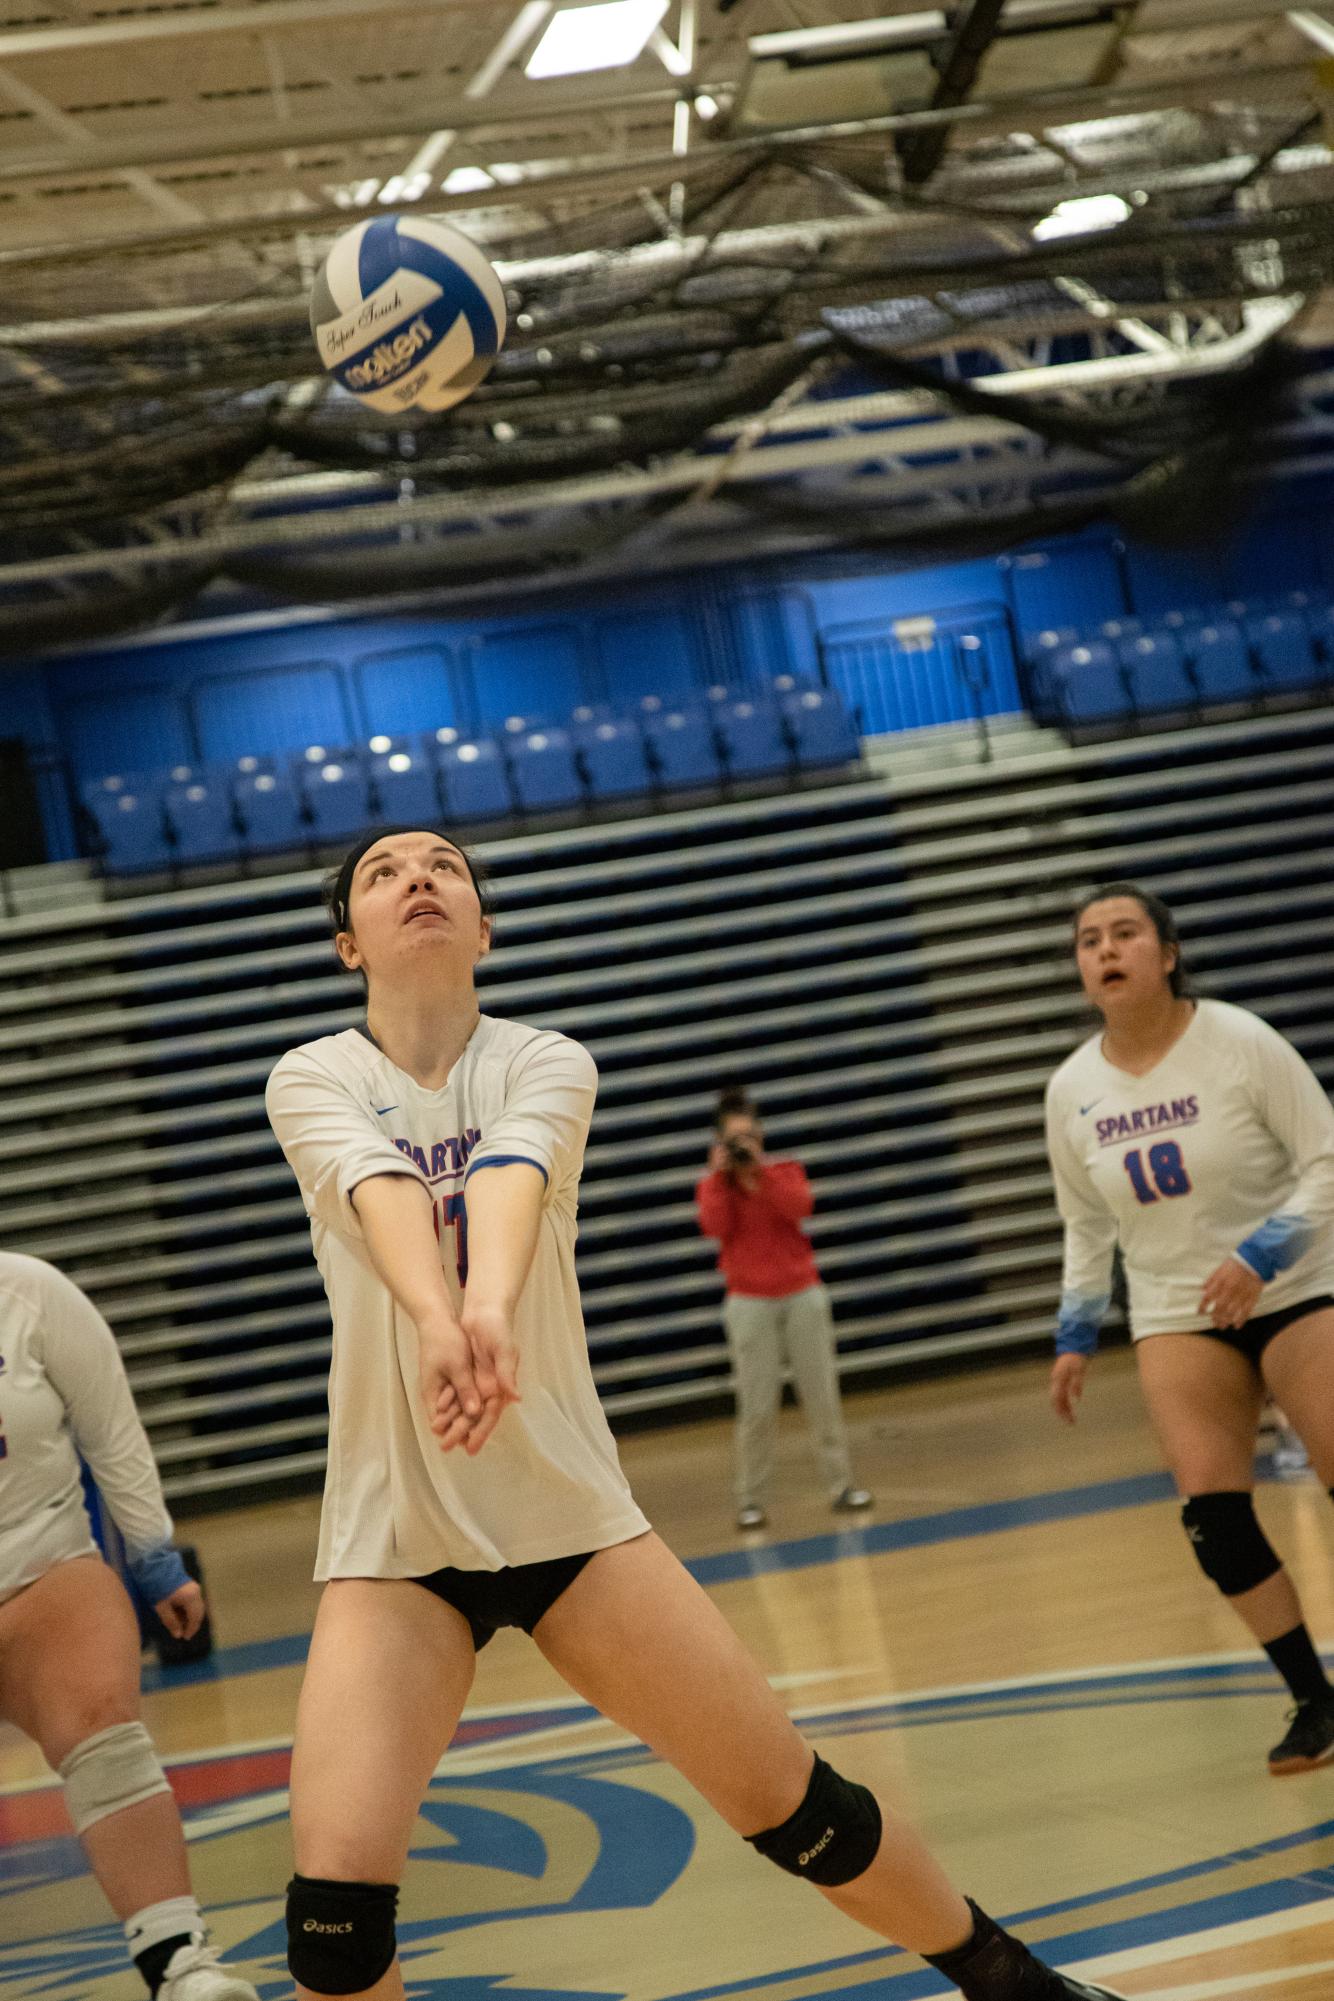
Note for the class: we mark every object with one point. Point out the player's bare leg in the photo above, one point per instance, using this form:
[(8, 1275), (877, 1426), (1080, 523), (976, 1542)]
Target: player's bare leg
[(69, 1667), (1204, 1399), (400, 1662), (1298, 1368), (637, 1637)]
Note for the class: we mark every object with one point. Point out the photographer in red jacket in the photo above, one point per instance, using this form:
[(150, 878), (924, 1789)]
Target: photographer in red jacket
[(776, 1312)]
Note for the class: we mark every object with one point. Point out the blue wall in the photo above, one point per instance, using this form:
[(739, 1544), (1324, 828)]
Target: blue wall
[(275, 685)]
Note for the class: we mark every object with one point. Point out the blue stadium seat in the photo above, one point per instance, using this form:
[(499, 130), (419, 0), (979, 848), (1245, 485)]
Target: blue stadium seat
[(681, 745), (1052, 639), (1320, 625), (334, 790), (201, 815), (127, 814), (610, 750), (474, 779), (1091, 683), (1282, 648), (517, 726), (1158, 675), (784, 685), (403, 783), (1125, 626), (755, 738), (821, 727), (1222, 661), (1307, 604), (269, 807), (545, 770)]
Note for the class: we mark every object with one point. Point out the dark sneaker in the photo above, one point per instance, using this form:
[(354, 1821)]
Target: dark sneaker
[(1310, 1739), (751, 1517), (996, 1966)]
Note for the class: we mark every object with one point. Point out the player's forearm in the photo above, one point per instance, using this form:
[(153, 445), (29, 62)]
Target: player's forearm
[(504, 1207), (394, 1211)]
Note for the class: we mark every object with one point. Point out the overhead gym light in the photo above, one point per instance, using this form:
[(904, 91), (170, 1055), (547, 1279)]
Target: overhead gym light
[(606, 35), (1081, 215)]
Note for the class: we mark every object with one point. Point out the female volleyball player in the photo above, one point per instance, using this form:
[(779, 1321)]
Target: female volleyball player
[(69, 1638), (473, 1482), (1192, 1135)]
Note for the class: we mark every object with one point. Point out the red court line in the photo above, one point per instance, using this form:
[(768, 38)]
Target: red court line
[(40, 1815)]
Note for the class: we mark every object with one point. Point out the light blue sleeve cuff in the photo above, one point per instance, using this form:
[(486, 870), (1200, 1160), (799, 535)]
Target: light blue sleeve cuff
[(1276, 1245), (158, 1572), (1078, 1321)]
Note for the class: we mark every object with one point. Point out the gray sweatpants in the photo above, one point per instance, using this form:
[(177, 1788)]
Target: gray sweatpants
[(763, 1335)]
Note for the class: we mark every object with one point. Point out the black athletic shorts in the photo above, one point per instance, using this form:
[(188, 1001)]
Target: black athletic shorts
[(515, 1596), (1252, 1339)]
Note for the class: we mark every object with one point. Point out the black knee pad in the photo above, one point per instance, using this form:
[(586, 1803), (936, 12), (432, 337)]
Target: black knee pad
[(340, 1936), (1233, 1550), (832, 1837)]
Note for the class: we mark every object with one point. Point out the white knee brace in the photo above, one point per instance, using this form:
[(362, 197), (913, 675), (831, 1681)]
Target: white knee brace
[(110, 1771)]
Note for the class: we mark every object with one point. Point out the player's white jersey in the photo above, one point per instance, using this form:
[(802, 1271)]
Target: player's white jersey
[(1225, 1148), (63, 1392), (547, 1483)]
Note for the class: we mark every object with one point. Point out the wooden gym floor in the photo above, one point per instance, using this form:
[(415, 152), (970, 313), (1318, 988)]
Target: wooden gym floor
[(1016, 1642)]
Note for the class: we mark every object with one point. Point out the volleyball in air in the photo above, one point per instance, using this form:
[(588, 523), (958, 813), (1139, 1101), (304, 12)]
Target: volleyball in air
[(407, 314)]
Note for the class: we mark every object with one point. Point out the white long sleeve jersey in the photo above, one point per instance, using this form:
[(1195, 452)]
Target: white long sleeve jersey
[(1224, 1149), (547, 1483), (63, 1393)]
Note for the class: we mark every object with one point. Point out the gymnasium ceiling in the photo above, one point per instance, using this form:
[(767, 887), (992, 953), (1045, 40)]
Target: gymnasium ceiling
[(772, 288)]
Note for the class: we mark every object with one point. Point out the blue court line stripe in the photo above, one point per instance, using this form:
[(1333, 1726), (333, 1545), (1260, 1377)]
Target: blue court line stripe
[(1064, 1504), (1148, 1928)]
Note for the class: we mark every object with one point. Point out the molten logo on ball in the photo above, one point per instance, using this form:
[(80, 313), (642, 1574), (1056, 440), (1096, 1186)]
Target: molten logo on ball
[(407, 314)]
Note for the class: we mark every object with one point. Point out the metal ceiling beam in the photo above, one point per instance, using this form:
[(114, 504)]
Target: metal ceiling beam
[(573, 103), (920, 153), (183, 23), (1263, 319), (517, 107)]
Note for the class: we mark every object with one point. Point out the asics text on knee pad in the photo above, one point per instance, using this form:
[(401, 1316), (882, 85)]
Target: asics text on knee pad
[(114, 1769), (1232, 1549), (340, 1936), (834, 1835)]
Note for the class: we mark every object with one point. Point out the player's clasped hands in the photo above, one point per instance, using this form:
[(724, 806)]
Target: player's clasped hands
[(469, 1372), (1231, 1294)]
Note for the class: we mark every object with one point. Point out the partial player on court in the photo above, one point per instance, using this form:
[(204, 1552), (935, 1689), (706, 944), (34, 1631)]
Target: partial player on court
[(69, 1636), (473, 1482), (1192, 1135)]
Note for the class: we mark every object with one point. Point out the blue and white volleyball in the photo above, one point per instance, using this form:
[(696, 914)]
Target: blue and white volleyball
[(407, 314)]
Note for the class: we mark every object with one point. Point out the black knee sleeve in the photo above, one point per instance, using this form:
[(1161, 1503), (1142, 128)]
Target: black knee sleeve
[(832, 1837), (1232, 1549), (340, 1936)]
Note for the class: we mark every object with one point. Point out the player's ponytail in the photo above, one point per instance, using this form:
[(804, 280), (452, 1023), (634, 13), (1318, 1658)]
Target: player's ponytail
[(1158, 914)]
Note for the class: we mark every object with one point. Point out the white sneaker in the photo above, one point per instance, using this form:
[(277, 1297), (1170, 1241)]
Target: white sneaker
[(194, 1974)]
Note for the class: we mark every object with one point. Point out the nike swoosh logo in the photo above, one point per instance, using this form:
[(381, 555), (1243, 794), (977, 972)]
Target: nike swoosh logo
[(380, 1110), (1089, 1107)]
